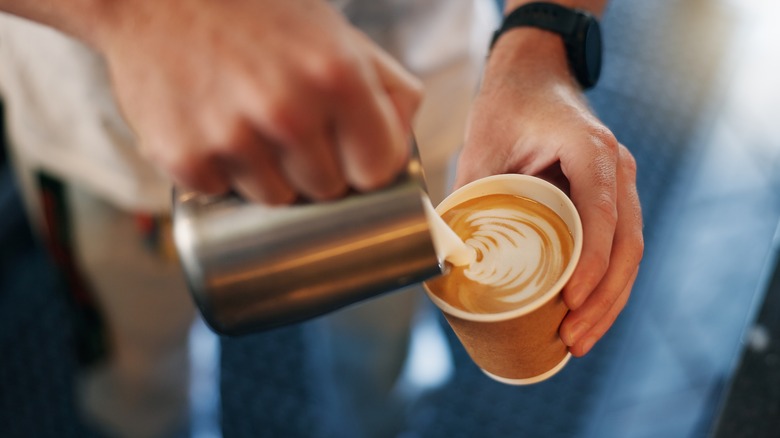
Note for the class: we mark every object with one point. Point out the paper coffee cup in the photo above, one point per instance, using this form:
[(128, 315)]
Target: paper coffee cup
[(520, 346)]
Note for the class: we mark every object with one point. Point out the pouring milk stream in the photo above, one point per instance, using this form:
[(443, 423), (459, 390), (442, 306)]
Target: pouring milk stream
[(449, 247)]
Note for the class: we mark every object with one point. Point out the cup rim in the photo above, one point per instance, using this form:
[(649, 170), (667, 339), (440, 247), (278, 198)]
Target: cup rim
[(555, 288)]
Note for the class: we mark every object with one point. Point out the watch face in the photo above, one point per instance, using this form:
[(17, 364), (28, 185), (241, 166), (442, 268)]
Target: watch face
[(592, 46)]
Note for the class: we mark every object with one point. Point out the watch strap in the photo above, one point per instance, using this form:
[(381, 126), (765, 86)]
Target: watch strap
[(547, 16), (579, 30)]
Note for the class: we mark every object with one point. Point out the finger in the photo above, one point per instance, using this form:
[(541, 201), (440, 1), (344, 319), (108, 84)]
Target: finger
[(600, 303), (594, 192), (301, 141), (305, 150), (313, 168), (339, 138), (628, 247), (255, 171), (403, 88), (592, 336), (373, 146)]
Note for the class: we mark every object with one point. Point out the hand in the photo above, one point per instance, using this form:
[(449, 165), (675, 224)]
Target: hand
[(530, 117), (275, 99)]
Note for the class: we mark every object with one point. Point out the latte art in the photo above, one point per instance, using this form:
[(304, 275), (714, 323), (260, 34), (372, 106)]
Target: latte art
[(522, 248), (515, 251)]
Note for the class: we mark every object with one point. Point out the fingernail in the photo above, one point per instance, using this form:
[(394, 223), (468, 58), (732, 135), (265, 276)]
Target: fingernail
[(574, 334)]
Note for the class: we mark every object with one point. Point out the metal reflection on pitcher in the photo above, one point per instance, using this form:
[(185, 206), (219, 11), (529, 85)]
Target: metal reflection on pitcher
[(252, 267)]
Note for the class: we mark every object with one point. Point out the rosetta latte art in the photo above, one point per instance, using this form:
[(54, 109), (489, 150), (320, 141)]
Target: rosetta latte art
[(522, 249), (516, 251)]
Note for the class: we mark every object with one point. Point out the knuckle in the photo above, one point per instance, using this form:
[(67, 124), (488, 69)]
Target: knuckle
[(627, 161), (334, 72), (606, 208), (605, 139)]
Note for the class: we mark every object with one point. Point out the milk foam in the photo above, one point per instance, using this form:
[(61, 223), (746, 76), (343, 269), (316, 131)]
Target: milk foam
[(448, 246), (521, 248), (514, 250)]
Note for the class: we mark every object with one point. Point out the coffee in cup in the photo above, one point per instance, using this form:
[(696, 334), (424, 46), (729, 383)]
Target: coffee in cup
[(505, 306)]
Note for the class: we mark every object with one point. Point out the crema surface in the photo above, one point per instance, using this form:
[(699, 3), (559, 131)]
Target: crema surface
[(522, 248)]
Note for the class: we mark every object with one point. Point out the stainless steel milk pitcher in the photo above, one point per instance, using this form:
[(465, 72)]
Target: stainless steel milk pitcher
[(252, 267)]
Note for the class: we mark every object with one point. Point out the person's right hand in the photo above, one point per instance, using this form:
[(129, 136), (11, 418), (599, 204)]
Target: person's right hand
[(275, 99)]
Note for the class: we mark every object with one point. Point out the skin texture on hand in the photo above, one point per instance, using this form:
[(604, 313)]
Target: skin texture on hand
[(277, 100), (530, 117)]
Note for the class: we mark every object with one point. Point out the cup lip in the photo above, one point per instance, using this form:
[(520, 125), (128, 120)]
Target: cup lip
[(556, 287)]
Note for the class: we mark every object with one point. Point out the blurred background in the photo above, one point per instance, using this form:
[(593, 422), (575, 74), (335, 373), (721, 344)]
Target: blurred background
[(691, 88)]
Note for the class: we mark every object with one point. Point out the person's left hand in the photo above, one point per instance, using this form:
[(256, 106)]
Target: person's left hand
[(530, 117)]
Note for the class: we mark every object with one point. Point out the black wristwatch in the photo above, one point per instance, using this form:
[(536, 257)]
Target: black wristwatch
[(580, 31)]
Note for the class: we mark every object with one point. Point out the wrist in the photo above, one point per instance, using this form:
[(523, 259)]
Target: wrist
[(578, 30), (530, 53)]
